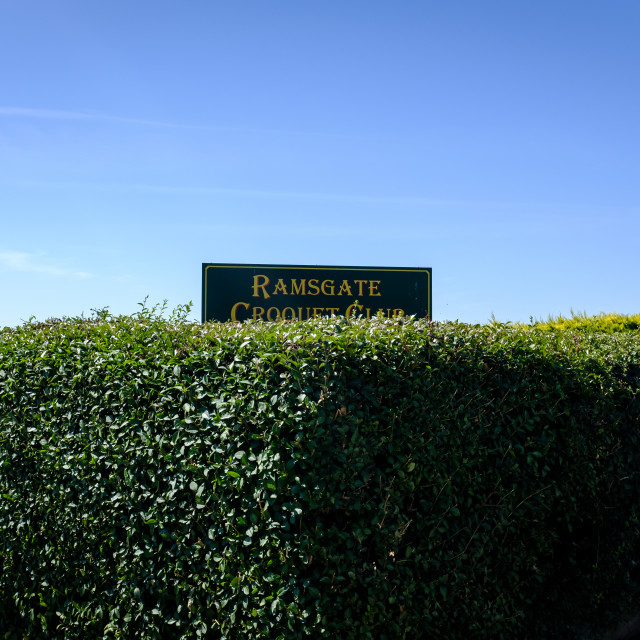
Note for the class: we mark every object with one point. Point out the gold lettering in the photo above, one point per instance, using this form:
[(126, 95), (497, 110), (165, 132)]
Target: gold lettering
[(300, 289), (333, 310), (328, 284), (281, 287), (398, 313), (234, 310), (360, 284), (300, 313), (313, 284), (284, 313), (345, 287), (260, 285), (317, 311), (269, 310), (373, 288), (258, 312)]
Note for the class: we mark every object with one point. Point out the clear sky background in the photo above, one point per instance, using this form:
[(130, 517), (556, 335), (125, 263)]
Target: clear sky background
[(497, 142)]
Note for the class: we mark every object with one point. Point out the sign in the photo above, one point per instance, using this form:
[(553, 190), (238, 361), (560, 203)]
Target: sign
[(239, 292)]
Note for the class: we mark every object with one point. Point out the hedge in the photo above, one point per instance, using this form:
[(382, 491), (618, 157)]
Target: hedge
[(347, 478), (603, 323)]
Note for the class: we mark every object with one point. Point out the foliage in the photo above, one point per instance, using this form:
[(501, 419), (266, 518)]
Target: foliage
[(604, 322), (362, 479)]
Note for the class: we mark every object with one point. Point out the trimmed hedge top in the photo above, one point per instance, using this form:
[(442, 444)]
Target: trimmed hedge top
[(604, 323), (366, 479)]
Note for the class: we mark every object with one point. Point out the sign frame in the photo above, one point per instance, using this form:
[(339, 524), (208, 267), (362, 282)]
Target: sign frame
[(407, 285)]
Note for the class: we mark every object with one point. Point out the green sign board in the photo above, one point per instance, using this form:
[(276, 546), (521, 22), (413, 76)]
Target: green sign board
[(239, 292)]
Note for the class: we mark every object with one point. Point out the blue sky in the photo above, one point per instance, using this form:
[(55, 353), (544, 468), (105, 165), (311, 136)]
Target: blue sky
[(497, 142)]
